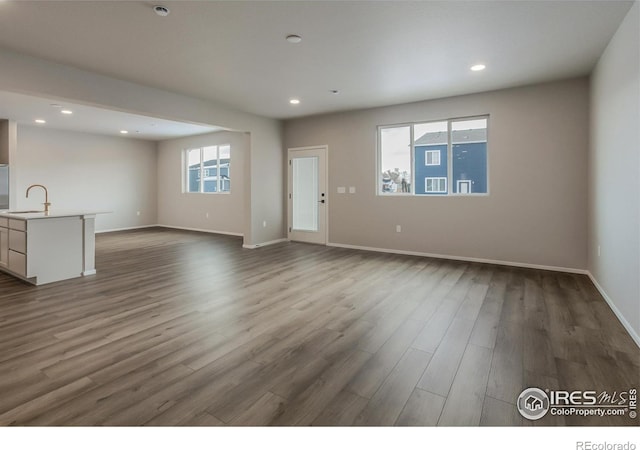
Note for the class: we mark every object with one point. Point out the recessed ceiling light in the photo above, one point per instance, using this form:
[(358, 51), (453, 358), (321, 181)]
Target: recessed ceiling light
[(66, 111), (124, 132), (478, 67), (294, 101), (294, 39), (40, 121), (334, 91), (162, 11)]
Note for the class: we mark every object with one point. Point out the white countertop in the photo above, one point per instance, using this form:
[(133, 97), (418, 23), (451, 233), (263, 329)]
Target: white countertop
[(22, 215)]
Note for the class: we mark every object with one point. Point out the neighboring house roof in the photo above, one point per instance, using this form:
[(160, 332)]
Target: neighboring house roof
[(211, 163), (458, 137)]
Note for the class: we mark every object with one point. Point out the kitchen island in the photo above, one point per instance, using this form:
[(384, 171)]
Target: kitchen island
[(42, 248)]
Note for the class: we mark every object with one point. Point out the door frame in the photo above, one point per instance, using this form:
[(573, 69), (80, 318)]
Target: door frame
[(460, 182), (325, 149)]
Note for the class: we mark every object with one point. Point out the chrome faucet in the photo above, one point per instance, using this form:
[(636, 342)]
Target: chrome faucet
[(46, 196)]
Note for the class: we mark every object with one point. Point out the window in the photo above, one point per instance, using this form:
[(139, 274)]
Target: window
[(396, 159), (435, 185), (469, 156), (207, 169), (432, 157), (447, 157)]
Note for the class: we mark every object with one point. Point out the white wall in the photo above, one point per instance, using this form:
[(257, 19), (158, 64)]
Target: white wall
[(614, 172), (179, 209), (87, 172), (536, 212), (264, 197)]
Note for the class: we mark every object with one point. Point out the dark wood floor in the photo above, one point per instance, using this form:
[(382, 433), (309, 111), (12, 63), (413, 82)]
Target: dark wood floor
[(181, 328)]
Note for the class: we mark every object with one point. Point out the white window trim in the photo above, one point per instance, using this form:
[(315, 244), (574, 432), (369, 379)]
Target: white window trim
[(432, 152), (185, 170), (438, 179), (378, 174)]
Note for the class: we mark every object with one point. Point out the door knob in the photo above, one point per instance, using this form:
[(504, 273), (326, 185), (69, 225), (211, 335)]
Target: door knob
[(321, 201)]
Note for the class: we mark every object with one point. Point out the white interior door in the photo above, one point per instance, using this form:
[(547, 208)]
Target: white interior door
[(308, 195)]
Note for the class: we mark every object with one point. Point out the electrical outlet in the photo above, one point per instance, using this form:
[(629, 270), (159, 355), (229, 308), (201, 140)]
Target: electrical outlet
[(264, 224), (137, 213), (341, 190), (398, 229), (598, 250), (206, 215), (352, 189)]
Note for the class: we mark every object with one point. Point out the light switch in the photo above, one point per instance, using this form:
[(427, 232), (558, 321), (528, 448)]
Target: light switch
[(341, 190), (352, 189)]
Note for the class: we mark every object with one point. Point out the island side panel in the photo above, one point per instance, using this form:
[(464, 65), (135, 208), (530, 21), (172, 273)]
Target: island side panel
[(54, 249), (89, 238)]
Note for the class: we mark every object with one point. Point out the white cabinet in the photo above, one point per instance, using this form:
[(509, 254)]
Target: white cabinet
[(4, 242), (18, 241), (18, 263), (13, 246), (18, 224), (42, 249), (17, 247)]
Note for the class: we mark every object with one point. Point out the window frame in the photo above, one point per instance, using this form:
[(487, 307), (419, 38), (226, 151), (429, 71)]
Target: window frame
[(185, 170), (379, 160), (460, 183), (449, 193), (432, 152), (446, 187)]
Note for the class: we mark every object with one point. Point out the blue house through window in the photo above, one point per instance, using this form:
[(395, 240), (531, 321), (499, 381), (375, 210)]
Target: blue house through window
[(469, 163), (210, 176), (426, 169)]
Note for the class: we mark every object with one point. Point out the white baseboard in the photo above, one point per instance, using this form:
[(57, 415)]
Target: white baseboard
[(263, 244), (228, 233), (462, 258), (87, 273), (112, 230), (633, 333)]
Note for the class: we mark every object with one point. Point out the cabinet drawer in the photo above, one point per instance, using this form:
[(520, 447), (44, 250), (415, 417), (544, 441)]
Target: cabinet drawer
[(4, 222), (18, 241), (18, 263), (20, 225)]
